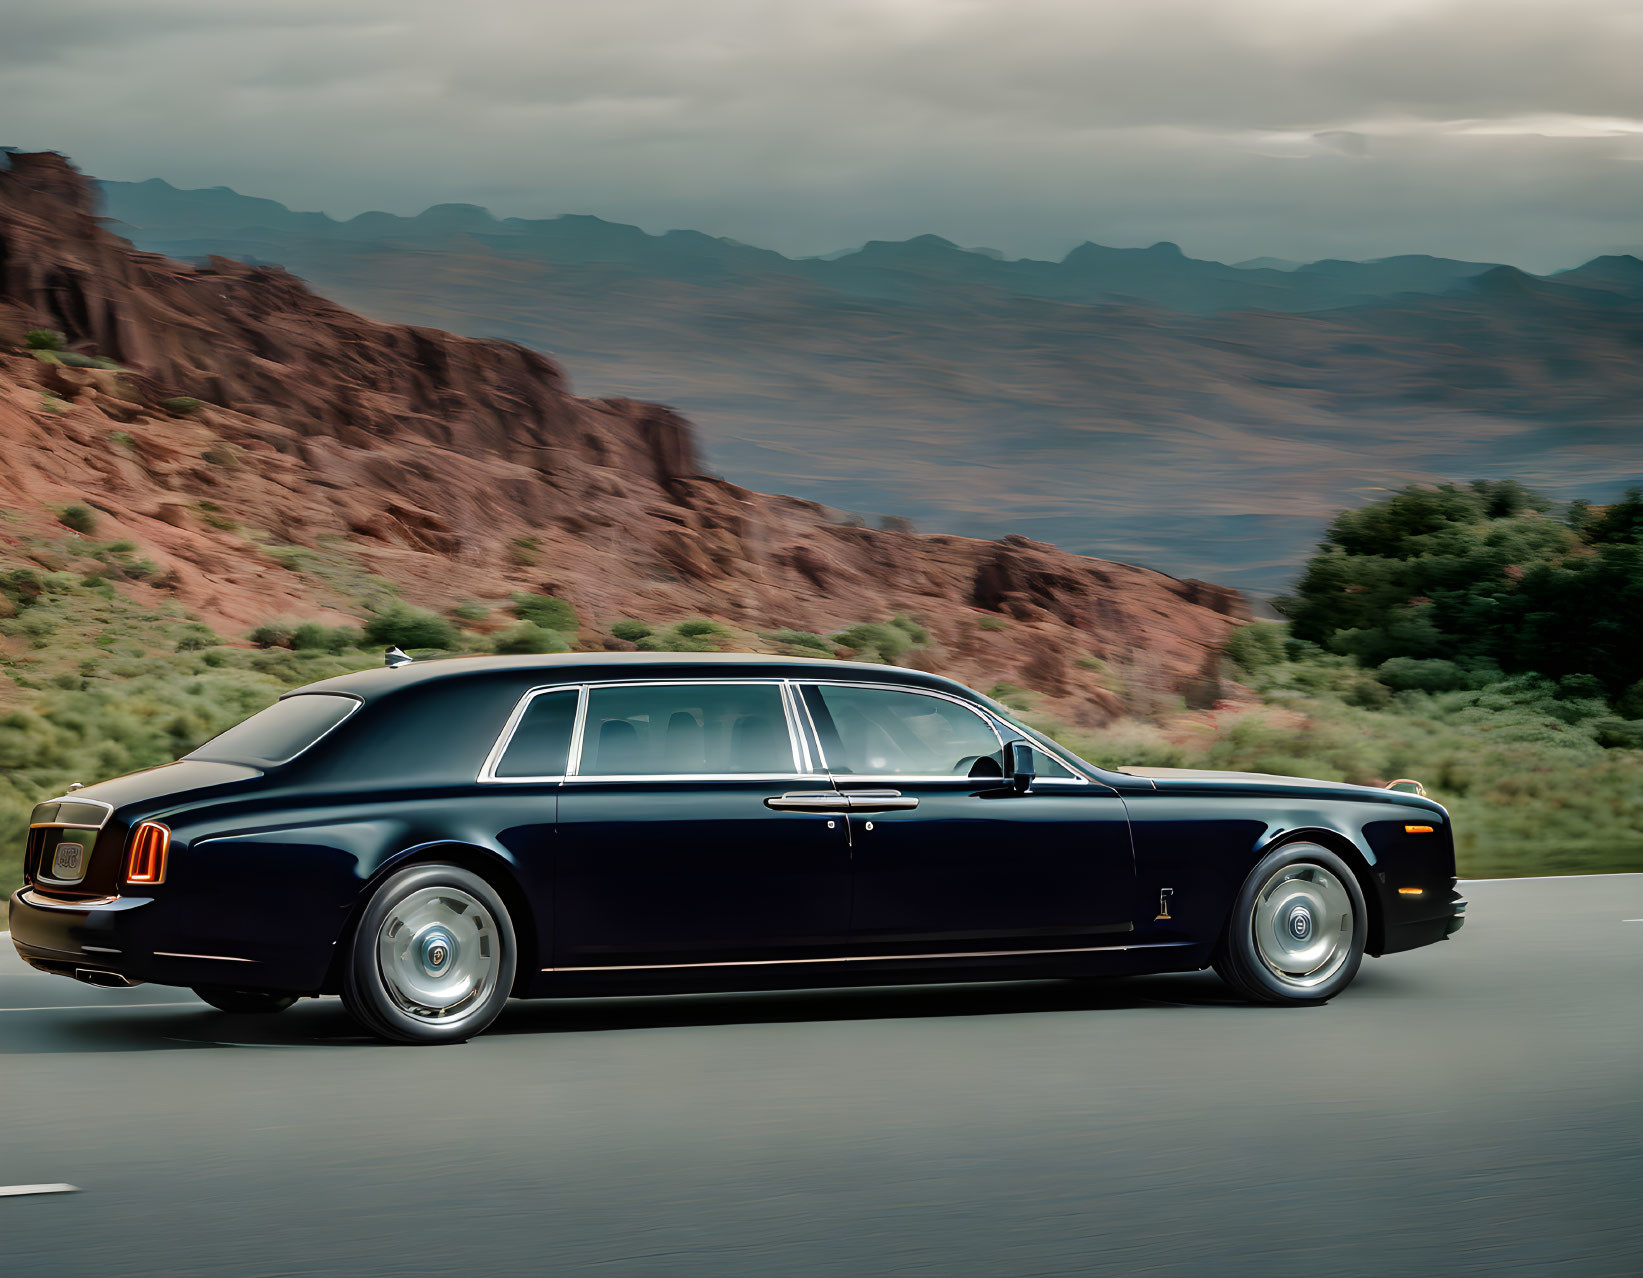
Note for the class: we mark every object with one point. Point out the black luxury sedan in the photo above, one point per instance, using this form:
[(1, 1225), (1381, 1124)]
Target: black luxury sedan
[(431, 838)]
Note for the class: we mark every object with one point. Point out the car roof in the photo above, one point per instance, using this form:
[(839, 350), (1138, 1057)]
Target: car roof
[(573, 667)]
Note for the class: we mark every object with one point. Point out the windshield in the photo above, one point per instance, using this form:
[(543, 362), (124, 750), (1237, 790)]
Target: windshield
[(281, 732)]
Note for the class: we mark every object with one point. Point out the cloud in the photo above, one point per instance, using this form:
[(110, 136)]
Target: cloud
[(1500, 129)]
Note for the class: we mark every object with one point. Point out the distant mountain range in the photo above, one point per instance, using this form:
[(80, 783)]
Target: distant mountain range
[(1195, 416)]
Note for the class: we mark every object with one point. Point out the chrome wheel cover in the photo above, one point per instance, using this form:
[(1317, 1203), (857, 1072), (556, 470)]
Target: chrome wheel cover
[(439, 951), (1303, 925)]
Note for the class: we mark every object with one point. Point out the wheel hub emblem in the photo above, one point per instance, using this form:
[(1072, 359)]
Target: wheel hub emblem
[(1300, 924)]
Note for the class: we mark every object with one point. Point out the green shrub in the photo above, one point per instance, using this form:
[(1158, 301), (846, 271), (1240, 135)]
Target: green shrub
[(1425, 675), (687, 636), (875, 641), (802, 641), (182, 406), (992, 623), (313, 637), (528, 637), (631, 631), (74, 359), (1256, 645), (547, 612), (403, 627), (917, 635), (1629, 703), (122, 439), (271, 635), (45, 339), (80, 518), (525, 551), (470, 612)]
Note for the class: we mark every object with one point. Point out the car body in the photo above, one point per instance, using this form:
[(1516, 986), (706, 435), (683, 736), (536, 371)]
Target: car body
[(601, 823)]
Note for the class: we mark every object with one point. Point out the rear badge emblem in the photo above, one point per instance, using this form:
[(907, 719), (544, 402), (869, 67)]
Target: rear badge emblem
[(1164, 895), (67, 861)]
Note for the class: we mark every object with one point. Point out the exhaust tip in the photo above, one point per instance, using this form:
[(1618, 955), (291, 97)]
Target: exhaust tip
[(104, 980)]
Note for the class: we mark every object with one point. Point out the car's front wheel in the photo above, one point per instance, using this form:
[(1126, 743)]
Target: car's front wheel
[(1297, 929), (432, 958)]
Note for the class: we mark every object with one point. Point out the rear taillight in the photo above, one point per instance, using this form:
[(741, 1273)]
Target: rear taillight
[(145, 862)]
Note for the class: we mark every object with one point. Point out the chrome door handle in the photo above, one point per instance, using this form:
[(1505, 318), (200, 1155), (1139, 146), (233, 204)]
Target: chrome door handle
[(809, 801), (880, 801)]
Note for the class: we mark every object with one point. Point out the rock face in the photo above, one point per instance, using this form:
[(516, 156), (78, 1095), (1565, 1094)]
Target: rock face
[(463, 470)]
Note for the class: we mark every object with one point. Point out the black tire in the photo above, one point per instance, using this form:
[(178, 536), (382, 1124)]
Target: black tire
[(244, 1001), (1298, 897), (466, 929)]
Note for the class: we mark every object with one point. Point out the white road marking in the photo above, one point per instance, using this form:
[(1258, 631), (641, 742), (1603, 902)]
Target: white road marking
[(1631, 920), (1537, 878), (80, 1007), (17, 1191)]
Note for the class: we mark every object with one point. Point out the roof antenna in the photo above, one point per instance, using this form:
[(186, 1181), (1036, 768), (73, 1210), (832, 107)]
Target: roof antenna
[(393, 658)]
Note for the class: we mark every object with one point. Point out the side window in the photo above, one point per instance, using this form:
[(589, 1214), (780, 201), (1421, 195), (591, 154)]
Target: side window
[(683, 728), (888, 732), (541, 743)]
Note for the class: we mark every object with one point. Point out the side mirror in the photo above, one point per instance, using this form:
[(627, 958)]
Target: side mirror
[(1018, 765)]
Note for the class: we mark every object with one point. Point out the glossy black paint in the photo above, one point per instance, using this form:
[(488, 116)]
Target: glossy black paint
[(669, 882)]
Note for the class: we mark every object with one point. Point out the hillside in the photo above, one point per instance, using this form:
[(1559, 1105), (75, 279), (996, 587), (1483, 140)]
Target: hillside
[(255, 453), (1070, 401)]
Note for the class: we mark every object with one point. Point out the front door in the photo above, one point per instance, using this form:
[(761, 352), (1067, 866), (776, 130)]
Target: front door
[(668, 850), (949, 859)]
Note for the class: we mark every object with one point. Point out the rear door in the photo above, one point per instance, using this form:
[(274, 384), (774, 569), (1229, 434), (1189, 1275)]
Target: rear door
[(946, 857), (693, 829)]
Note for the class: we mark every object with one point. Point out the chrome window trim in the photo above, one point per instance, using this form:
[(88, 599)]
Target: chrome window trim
[(979, 712), (493, 760), (795, 731), (573, 769)]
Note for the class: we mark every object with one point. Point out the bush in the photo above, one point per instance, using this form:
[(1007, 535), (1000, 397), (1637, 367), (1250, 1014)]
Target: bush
[(1430, 675), (182, 406), (1256, 646), (631, 631), (915, 633), (700, 635), (992, 623), (313, 637), (271, 635), (875, 641), (73, 359), (528, 637), (803, 640), (470, 612), (80, 518), (404, 627), (547, 612), (525, 551), (45, 339)]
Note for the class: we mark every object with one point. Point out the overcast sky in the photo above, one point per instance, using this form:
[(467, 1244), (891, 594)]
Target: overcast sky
[(1504, 131)]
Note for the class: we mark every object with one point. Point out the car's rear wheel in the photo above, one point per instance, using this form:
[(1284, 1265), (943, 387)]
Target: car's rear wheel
[(1297, 929), (432, 957), (228, 1000)]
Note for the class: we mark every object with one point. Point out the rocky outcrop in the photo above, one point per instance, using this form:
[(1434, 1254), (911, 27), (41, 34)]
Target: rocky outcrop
[(462, 470)]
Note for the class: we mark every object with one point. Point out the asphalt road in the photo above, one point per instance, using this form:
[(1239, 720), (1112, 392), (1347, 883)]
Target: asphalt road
[(1475, 1107)]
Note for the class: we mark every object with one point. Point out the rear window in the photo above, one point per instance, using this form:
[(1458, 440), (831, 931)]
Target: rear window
[(281, 732)]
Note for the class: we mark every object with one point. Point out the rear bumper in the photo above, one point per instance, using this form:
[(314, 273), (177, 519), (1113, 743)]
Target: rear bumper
[(1427, 929), (112, 936)]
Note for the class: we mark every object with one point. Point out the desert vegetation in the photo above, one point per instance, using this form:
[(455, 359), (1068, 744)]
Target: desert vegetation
[(1476, 638)]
